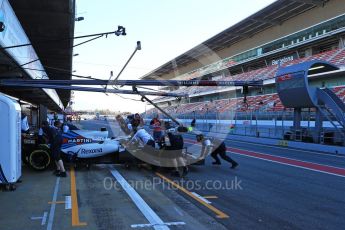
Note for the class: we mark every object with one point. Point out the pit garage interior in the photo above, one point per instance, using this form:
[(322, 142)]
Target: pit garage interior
[(49, 27)]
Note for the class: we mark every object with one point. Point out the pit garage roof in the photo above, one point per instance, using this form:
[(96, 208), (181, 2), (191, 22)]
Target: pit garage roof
[(42, 21), (274, 14)]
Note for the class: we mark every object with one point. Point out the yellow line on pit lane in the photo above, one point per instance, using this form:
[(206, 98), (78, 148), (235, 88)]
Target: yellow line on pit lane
[(75, 208), (210, 197), (219, 213)]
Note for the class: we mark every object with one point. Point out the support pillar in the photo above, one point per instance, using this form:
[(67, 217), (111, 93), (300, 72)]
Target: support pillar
[(43, 111), (318, 126), (297, 124), (34, 117), (297, 118)]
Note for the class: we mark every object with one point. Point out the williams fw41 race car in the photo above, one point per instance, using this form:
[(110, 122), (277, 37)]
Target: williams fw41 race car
[(78, 146)]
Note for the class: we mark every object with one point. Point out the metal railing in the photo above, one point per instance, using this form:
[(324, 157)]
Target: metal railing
[(276, 125)]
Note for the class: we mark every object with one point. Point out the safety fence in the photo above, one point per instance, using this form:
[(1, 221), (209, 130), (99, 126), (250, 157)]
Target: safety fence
[(277, 125)]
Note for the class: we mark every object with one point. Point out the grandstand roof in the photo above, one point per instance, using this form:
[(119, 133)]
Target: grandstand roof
[(274, 14)]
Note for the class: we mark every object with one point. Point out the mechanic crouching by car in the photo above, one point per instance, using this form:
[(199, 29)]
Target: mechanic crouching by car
[(54, 136), (143, 137), (44, 133), (55, 148), (144, 141)]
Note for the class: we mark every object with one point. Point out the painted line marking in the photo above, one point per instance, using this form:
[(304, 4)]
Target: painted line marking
[(309, 169), (281, 157), (292, 162), (68, 202), (331, 170), (151, 225), (286, 148), (219, 213), (52, 207), (57, 202), (154, 220), (210, 197), (202, 198), (44, 218), (178, 211), (75, 208)]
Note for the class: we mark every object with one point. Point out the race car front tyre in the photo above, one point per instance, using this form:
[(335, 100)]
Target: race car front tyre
[(39, 160)]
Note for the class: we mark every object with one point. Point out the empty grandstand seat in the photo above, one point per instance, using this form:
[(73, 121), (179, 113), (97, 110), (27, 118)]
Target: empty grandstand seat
[(339, 58), (269, 102)]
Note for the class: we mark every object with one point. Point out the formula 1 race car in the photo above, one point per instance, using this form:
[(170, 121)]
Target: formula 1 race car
[(79, 146)]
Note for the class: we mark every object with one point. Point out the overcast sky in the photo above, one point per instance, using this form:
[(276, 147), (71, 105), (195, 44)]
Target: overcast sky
[(166, 29)]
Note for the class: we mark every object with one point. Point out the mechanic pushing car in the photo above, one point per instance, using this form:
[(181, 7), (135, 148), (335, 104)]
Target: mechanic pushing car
[(216, 147), (53, 134), (55, 148), (143, 137), (175, 149)]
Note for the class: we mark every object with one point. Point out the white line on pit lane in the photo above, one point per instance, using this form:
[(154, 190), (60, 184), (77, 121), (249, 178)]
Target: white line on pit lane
[(68, 202), (52, 207), (44, 218), (155, 221), (202, 198)]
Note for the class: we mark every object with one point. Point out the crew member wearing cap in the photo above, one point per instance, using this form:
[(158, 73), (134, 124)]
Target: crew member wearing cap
[(216, 147)]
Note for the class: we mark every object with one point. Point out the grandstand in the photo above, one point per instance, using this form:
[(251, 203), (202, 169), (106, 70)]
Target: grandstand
[(266, 102), (282, 34)]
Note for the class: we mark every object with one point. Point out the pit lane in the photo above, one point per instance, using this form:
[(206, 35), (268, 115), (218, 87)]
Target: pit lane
[(259, 194)]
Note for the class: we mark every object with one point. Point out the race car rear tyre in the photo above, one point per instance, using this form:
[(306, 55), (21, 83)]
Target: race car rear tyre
[(44, 147), (39, 160)]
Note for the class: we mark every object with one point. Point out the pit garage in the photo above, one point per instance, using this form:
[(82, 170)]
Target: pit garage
[(36, 44)]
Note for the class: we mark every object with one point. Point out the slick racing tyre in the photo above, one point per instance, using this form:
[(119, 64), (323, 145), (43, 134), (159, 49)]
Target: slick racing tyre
[(44, 147), (39, 159)]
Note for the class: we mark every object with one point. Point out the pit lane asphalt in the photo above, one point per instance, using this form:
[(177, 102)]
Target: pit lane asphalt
[(259, 194), (270, 195), (98, 202)]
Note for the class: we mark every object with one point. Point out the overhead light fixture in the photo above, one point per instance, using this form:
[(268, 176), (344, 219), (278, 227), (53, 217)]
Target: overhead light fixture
[(120, 31), (79, 19)]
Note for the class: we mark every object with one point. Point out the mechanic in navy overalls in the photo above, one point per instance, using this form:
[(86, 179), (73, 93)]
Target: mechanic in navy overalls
[(55, 148), (54, 135)]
